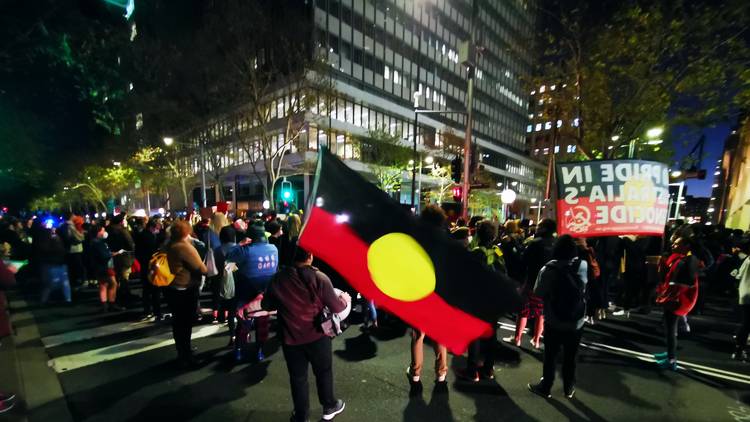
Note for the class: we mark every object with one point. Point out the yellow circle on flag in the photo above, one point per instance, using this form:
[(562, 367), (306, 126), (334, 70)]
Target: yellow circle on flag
[(400, 267)]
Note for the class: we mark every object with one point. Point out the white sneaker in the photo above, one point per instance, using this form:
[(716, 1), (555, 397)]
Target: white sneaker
[(329, 414)]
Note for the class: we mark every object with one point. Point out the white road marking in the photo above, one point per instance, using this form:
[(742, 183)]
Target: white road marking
[(117, 351), (646, 357), (88, 334)]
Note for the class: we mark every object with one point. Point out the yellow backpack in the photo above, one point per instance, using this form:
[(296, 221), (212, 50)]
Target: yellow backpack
[(158, 270)]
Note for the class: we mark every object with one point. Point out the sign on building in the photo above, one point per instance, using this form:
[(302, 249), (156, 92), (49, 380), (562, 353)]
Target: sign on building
[(614, 197)]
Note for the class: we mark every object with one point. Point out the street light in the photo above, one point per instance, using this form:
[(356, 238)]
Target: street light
[(676, 173), (654, 132), (169, 141), (507, 197)]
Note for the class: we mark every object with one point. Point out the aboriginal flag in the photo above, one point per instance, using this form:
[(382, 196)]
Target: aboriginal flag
[(411, 269)]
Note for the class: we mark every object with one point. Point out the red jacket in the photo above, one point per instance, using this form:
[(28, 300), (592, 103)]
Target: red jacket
[(7, 279), (678, 290)]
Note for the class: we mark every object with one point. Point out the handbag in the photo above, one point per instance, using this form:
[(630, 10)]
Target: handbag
[(329, 323), (227, 285), (210, 261)]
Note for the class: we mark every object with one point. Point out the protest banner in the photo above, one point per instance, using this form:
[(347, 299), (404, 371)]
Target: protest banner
[(613, 197)]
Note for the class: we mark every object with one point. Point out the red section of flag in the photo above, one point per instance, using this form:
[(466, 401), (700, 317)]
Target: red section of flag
[(611, 218), (339, 246)]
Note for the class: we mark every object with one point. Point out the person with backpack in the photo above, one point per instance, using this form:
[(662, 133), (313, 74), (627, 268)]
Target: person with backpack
[(121, 244), (299, 293), (145, 248), (227, 299), (537, 253), (677, 293), (561, 284), (481, 358)]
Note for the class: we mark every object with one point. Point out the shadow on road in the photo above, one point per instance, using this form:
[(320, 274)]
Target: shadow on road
[(358, 348)]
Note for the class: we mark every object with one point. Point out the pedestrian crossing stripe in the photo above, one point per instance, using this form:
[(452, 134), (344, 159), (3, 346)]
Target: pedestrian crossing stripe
[(118, 351), (91, 333)]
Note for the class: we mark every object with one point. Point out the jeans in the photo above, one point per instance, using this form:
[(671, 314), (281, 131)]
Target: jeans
[(554, 340), (317, 354), (744, 329), (54, 277), (182, 303), (151, 295), (670, 323), (417, 355)]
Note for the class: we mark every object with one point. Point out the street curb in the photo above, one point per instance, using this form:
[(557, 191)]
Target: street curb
[(40, 394)]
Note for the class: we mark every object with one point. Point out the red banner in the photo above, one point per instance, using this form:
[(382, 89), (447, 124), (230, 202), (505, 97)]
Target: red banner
[(610, 198)]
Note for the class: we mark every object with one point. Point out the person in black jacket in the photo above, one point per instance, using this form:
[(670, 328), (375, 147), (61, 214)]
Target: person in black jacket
[(535, 256), (145, 248), (102, 268), (122, 246)]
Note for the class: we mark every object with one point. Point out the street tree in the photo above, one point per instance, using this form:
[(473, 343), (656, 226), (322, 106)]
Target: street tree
[(388, 158), (620, 68)]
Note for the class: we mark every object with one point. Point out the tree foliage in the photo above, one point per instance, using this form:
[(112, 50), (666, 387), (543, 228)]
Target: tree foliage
[(627, 66)]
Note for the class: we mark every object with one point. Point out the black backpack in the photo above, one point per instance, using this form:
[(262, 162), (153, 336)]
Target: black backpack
[(568, 297)]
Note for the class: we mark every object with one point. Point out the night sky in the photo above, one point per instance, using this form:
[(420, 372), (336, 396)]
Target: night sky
[(713, 149)]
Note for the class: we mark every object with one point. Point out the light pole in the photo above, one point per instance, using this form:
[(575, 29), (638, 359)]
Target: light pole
[(427, 160), (507, 197), (417, 112), (538, 207), (169, 141), (653, 137)]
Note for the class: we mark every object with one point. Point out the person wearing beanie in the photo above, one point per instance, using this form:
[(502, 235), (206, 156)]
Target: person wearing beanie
[(257, 262)]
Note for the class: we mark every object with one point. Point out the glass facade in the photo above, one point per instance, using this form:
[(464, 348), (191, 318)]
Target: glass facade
[(390, 56), (407, 52)]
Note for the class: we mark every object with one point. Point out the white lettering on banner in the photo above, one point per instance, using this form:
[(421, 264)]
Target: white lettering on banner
[(621, 214), (607, 175), (571, 194)]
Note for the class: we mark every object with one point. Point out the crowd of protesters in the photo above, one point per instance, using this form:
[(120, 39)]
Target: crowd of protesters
[(252, 269)]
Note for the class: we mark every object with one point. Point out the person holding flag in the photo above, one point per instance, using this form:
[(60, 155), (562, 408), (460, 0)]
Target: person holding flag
[(408, 266)]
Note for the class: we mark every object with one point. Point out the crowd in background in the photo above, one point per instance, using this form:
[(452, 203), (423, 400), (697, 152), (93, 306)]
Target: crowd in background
[(613, 275)]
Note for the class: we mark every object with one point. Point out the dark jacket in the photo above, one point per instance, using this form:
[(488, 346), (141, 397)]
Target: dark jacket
[(145, 247), (99, 258), (536, 255), (299, 294), (119, 238)]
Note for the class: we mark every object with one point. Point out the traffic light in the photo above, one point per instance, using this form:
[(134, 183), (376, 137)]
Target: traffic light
[(457, 193), (456, 165), (287, 193)]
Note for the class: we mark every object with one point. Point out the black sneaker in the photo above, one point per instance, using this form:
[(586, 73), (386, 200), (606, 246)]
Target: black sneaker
[(329, 414), (539, 390), (570, 392)]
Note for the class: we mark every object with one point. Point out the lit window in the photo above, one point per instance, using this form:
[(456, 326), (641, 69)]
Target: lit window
[(533, 92), (552, 88), (538, 127), (387, 73), (557, 149), (536, 151), (529, 128), (542, 88), (559, 123), (548, 126), (396, 78), (531, 116), (546, 151), (541, 101), (572, 148), (575, 122)]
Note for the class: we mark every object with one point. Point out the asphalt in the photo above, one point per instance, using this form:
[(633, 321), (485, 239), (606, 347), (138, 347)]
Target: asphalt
[(123, 370)]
